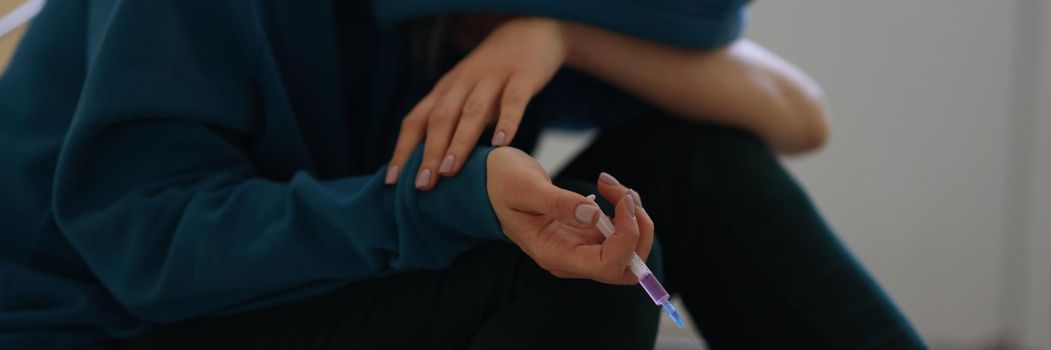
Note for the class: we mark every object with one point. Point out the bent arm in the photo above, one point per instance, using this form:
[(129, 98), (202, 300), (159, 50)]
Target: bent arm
[(159, 185), (741, 84), (680, 56), (176, 224)]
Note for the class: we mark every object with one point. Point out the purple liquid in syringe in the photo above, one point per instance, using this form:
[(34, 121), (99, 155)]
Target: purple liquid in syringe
[(654, 289)]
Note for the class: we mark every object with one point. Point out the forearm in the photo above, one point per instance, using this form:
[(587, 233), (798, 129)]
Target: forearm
[(176, 223), (741, 85)]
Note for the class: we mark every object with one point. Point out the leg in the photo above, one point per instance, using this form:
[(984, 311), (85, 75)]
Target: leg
[(492, 297), (754, 262)]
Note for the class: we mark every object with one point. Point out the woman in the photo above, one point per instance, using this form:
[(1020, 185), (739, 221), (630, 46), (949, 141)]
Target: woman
[(211, 175)]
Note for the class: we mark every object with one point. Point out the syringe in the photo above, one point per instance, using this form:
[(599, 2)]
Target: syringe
[(646, 278)]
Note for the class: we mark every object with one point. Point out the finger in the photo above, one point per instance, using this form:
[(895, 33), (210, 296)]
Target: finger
[(626, 278), (516, 96), (626, 236), (413, 128), (446, 82), (645, 231), (611, 189), (587, 261), (581, 262), (607, 262), (477, 111), (592, 236), (566, 206), (441, 123)]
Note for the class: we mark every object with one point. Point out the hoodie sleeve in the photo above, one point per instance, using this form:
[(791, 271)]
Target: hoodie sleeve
[(687, 23), (156, 189)]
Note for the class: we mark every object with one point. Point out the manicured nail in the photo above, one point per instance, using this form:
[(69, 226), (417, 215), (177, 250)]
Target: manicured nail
[(447, 165), (608, 179), (630, 203), (636, 197), (586, 213), (392, 175), (423, 179), (498, 139), (591, 197)]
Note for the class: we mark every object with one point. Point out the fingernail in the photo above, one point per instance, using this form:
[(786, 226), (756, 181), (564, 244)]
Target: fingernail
[(423, 179), (586, 213), (636, 197), (591, 197), (498, 139), (608, 179), (630, 203), (447, 165), (392, 175)]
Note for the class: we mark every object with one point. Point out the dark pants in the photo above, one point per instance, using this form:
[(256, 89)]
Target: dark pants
[(492, 297), (753, 261)]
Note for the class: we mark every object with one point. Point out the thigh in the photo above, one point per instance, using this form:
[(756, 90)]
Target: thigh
[(492, 297), (754, 262), (433, 309)]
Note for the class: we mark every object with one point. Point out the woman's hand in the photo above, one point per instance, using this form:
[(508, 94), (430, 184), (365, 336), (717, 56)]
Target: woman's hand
[(498, 78), (556, 227)]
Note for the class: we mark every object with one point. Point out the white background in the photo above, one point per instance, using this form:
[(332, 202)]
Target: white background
[(937, 173)]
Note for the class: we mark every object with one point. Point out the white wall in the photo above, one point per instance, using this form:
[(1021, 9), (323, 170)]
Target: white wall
[(938, 172), (920, 176), (1037, 316)]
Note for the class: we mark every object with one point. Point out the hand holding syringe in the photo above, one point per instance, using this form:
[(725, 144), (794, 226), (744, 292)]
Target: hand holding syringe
[(646, 278)]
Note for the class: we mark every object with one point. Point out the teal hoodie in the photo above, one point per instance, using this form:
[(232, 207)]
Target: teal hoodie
[(165, 160)]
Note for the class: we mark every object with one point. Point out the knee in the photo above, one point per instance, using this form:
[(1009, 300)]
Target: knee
[(703, 150)]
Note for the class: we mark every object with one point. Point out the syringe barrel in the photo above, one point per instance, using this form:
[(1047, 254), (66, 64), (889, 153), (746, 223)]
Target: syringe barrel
[(654, 289), (647, 280)]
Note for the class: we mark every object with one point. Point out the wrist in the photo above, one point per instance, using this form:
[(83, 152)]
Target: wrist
[(574, 38), (468, 30), (565, 33)]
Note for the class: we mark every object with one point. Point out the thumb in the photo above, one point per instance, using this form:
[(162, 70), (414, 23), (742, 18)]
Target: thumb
[(563, 205), (572, 209)]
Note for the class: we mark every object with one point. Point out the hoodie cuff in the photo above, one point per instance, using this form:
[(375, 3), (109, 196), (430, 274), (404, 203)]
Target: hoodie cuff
[(460, 203)]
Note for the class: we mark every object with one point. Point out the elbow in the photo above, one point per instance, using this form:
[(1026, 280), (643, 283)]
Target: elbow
[(816, 133), (808, 114), (799, 131), (810, 138), (820, 134)]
